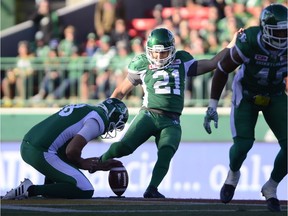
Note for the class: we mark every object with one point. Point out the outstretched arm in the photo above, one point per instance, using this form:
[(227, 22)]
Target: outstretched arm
[(123, 89), (207, 65)]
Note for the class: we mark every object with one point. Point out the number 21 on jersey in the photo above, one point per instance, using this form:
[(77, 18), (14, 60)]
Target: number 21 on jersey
[(169, 85)]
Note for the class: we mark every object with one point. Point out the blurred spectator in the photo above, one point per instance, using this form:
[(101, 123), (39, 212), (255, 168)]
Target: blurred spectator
[(176, 19), (168, 23), (119, 33), (52, 76), (196, 45), (209, 33), (46, 21), (157, 14), (241, 14), (99, 67), (20, 78), (86, 79), (67, 44), (119, 65), (104, 17), (227, 26), (90, 46), (184, 32), (136, 49), (40, 49), (136, 46), (69, 85)]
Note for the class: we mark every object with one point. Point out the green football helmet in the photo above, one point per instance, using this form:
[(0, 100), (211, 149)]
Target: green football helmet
[(160, 40), (117, 113), (273, 24)]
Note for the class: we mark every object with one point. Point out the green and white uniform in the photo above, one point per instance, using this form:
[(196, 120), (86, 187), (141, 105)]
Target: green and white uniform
[(163, 103), (44, 145), (259, 86)]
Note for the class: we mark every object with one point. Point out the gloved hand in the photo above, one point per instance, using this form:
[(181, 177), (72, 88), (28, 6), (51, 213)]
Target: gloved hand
[(211, 114), (97, 164)]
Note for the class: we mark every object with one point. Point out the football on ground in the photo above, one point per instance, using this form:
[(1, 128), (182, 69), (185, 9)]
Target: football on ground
[(118, 180)]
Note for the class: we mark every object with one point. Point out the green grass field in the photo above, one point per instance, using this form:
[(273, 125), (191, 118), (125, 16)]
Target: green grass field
[(136, 207)]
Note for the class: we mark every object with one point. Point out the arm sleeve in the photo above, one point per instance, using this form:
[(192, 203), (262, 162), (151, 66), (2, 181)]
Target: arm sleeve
[(134, 79), (193, 69), (90, 130)]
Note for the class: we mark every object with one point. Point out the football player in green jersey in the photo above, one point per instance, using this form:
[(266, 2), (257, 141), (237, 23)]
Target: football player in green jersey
[(161, 72), (54, 146), (258, 86)]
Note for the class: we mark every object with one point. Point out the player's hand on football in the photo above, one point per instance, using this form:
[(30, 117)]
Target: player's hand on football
[(111, 163), (97, 165), (211, 115), (89, 164)]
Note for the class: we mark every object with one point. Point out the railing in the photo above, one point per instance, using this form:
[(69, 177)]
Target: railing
[(29, 76)]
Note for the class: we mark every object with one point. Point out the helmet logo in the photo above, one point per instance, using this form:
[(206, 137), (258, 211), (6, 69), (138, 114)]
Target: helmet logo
[(158, 48)]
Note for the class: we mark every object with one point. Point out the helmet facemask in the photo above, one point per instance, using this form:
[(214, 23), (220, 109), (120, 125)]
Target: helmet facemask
[(113, 127), (117, 113), (275, 36), (160, 62)]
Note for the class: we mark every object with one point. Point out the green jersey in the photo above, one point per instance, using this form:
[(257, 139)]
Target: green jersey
[(163, 88), (63, 126), (263, 70)]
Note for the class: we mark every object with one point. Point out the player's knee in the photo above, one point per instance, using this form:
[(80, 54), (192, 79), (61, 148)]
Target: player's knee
[(166, 152), (242, 144)]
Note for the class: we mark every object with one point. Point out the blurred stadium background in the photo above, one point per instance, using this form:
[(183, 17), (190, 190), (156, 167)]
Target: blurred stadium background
[(201, 164)]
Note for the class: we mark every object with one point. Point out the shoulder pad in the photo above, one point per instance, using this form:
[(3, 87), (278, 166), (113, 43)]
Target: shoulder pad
[(138, 63), (183, 55)]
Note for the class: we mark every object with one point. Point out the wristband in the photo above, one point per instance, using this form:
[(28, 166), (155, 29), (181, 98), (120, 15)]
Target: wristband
[(213, 103)]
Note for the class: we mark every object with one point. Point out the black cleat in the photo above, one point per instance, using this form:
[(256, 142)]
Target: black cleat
[(227, 193), (152, 192), (273, 204)]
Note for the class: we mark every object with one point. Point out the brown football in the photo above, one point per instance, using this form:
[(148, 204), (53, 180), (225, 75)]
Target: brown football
[(118, 180)]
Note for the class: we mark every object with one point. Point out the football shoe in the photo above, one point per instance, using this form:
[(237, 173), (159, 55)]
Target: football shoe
[(227, 193), (273, 205), (228, 189), (269, 193), (21, 192), (152, 192)]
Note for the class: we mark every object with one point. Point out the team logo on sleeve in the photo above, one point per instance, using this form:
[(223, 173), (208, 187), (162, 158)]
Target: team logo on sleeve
[(243, 38)]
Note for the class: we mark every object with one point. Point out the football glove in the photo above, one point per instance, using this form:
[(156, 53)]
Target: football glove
[(211, 114)]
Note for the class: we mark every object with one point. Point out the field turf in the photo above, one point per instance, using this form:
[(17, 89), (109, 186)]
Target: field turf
[(136, 207)]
